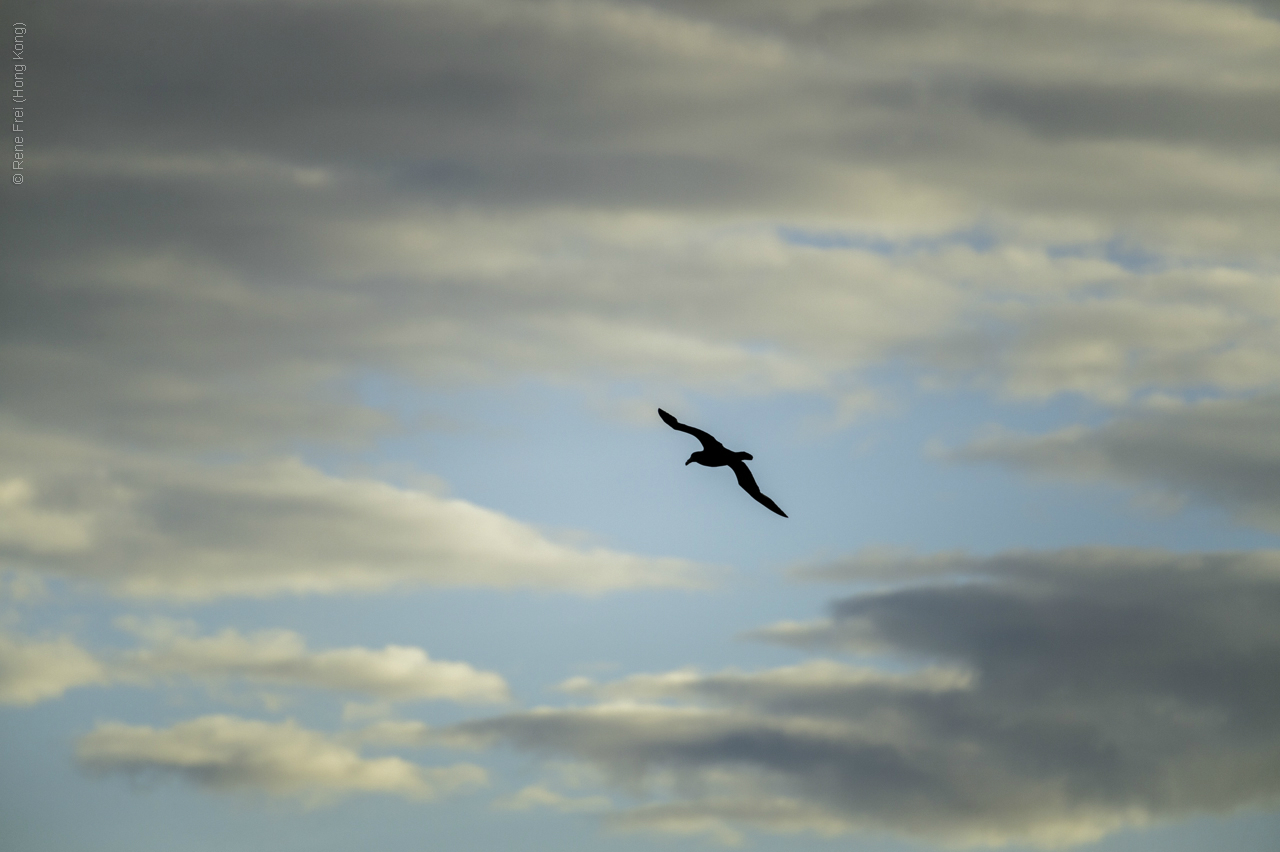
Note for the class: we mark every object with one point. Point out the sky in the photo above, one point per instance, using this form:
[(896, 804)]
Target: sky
[(336, 513)]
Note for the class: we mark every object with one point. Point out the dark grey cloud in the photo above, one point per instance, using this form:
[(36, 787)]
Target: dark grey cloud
[(1072, 692), (490, 100), (1119, 111), (237, 207), (690, 106), (1221, 451), (1266, 8)]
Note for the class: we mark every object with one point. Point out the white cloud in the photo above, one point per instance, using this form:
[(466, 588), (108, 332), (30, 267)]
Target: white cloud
[(540, 796), (394, 732), (25, 526), (716, 818), (281, 658), (226, 753), (32, 671), (158, 528)]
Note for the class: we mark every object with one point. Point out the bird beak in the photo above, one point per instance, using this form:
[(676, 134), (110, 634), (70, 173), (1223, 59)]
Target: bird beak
[(686, 464)]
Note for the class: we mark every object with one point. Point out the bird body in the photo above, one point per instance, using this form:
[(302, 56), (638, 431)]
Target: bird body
[(715, 454), (718, 457)]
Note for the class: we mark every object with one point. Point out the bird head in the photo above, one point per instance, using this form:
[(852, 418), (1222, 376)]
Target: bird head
[(692, 458)]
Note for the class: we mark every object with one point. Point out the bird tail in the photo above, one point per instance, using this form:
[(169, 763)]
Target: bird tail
[(744, 456)]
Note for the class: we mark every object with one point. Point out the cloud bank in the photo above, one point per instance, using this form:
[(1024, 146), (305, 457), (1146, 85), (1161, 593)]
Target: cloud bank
[(1051, 698), (728, 197)]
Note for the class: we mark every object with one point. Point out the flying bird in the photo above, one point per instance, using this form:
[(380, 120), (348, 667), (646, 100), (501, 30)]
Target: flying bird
[(714, 454)]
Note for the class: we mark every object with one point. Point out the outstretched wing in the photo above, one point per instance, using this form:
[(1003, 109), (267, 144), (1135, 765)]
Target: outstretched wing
[(748, 483), (708, 442)]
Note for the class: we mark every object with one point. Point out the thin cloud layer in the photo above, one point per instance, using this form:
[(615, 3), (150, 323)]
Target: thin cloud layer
[(1068, 694), (281, 658), (32, 671), (229, 754), (1221, 451), (539, 796), (1109, 329), (154, 528)]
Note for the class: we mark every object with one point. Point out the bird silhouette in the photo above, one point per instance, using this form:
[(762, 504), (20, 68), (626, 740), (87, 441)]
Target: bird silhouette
[(714, 454)]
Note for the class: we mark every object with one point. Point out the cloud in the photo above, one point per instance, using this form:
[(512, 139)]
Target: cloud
[(594, 191), (1034, 697), (788, 682), (716, 818), (32, 671), (205, 326), (27, 526), (539, 796), (281, 658), (216, 247), (153, 527), (234, 360), (394, 732), (679, 104), (1221, 451), (1110, 332), (225, 753)]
